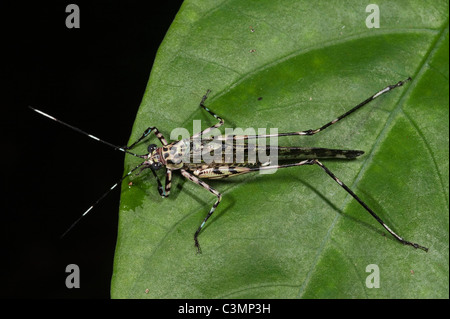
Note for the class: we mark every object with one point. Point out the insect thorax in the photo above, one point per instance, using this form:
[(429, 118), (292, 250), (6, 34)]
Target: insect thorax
[(176, 154)]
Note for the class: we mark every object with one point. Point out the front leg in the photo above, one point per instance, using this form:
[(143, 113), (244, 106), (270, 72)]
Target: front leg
[(147, 133), (163, 191)]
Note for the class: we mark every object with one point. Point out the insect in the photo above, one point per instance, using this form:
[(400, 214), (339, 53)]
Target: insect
[(176, 156)]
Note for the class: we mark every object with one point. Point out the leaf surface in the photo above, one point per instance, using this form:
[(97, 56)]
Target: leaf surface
[(297, 234)]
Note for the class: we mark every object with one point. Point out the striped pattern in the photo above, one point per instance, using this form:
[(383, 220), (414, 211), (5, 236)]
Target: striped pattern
[(197, 181), (172, 157), (168, 182), (368, 209), (194, 172), (209, 129), (221, 172)]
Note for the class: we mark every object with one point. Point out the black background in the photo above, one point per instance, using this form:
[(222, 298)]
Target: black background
[(94, 78)]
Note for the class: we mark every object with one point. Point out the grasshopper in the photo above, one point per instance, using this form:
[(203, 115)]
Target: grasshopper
[(176, 156)]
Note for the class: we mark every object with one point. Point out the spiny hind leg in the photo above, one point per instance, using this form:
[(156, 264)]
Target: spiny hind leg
[(367, 208), (320, 129), (348, 190)]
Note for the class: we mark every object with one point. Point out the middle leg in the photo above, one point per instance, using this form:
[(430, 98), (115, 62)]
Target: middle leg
[(197, 181), (221, 121)]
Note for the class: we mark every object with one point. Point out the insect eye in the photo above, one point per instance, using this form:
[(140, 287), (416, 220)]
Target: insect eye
[(156, 166), (151, 148)]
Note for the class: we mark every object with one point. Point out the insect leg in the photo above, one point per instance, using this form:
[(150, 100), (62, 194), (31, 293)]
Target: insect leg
[(213, 208), (360, 201), (221, 121), (228, 171), (373, 97), (147, 133), (163, 191), (312, 132), (367, 208), (160, 187), (168, 182)]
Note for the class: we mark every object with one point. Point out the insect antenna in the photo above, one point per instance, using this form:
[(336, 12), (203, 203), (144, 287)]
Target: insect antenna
[(122, 149), (101, 197)]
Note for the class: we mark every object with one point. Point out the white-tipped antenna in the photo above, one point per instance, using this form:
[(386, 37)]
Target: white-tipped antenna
[(103, 196), (122, 149)]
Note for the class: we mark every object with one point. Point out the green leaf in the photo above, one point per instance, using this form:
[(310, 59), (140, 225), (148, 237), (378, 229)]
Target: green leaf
[(296, 233)]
